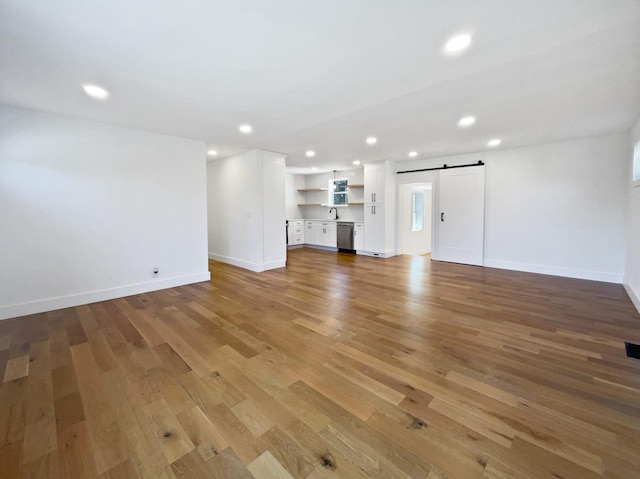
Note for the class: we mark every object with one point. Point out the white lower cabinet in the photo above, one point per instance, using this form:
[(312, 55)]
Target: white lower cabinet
[(358, 236), (310, 232), (320, 233), (326, 234), (296, 232), (374, 234)]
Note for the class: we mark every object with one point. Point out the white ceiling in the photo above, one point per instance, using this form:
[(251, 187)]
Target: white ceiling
[(325, 74)]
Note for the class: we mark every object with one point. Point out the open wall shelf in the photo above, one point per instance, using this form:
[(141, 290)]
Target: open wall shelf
[(325, 204), (320, 194)]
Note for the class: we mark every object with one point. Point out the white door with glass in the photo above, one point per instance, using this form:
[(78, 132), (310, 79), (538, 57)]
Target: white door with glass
[(461, 215)]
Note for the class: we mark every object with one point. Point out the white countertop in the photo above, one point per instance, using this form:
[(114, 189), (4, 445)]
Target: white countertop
[(325, 220)]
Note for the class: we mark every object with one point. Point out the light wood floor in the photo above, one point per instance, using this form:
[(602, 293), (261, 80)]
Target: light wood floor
[(337, 366)]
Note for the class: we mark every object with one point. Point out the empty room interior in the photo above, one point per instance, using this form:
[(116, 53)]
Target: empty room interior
[(320, 239)]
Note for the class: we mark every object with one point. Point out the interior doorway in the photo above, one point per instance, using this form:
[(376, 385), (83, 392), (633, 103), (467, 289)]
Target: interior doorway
[(415, 208)]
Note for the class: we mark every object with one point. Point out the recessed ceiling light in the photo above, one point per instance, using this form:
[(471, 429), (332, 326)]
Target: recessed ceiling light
[(314, 168), (356, 162), (245, 128), (466, 121), (413, 154), (372, 140), (95, 91), (212, 153), (458, 43), (310, 153), (494, 142)]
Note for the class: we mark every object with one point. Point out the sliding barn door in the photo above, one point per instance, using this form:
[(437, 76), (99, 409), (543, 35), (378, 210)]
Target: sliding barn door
[(461, 215)]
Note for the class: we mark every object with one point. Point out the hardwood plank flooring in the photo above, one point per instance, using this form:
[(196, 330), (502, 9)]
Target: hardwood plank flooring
[(335, 366)]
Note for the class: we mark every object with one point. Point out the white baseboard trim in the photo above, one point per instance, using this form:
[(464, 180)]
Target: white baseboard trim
[(51, 304), (275, 265), (633, 296), (255, 267), (317, 246), (419, 252), (555, 271), (386, 254)]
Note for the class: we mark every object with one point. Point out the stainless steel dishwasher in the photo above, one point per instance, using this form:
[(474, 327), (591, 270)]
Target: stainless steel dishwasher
[(345, 236)]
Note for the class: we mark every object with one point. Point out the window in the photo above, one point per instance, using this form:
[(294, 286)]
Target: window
[(338, 192), (416, 211), (636, 164)]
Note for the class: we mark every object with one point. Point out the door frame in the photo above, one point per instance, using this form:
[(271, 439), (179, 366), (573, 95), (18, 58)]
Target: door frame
[(433, 177), (404, 220), (418, 177)]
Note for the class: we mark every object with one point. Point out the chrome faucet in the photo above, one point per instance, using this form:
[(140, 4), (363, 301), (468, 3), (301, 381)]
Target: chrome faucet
[(334, 208)]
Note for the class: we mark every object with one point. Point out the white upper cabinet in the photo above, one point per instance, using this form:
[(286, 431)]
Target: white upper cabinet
[(374, 182)]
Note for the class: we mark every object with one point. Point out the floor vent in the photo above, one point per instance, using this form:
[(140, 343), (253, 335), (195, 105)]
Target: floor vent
[(633, 350)]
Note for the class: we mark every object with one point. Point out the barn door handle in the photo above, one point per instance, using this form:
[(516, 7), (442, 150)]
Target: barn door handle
[(442, 216)]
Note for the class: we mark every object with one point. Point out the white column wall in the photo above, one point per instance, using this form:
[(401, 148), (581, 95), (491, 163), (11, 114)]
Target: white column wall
[(247, 211), (234, 210), (274, 210)]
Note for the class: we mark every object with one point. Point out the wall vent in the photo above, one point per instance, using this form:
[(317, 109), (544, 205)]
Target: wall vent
[(633, 350)]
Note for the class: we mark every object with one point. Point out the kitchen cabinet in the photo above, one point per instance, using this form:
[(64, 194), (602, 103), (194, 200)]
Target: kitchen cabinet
[(326, 234), (310, 232), (379, 208), (358, 236), (375, 175), (296, 232), (374, 224), (320, 233)]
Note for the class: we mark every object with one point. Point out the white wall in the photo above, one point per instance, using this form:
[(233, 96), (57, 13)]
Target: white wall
[(87, 211), (293, 197), (246, 210), (557, 208), (273, 202), (234, 208), (632, 264)]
